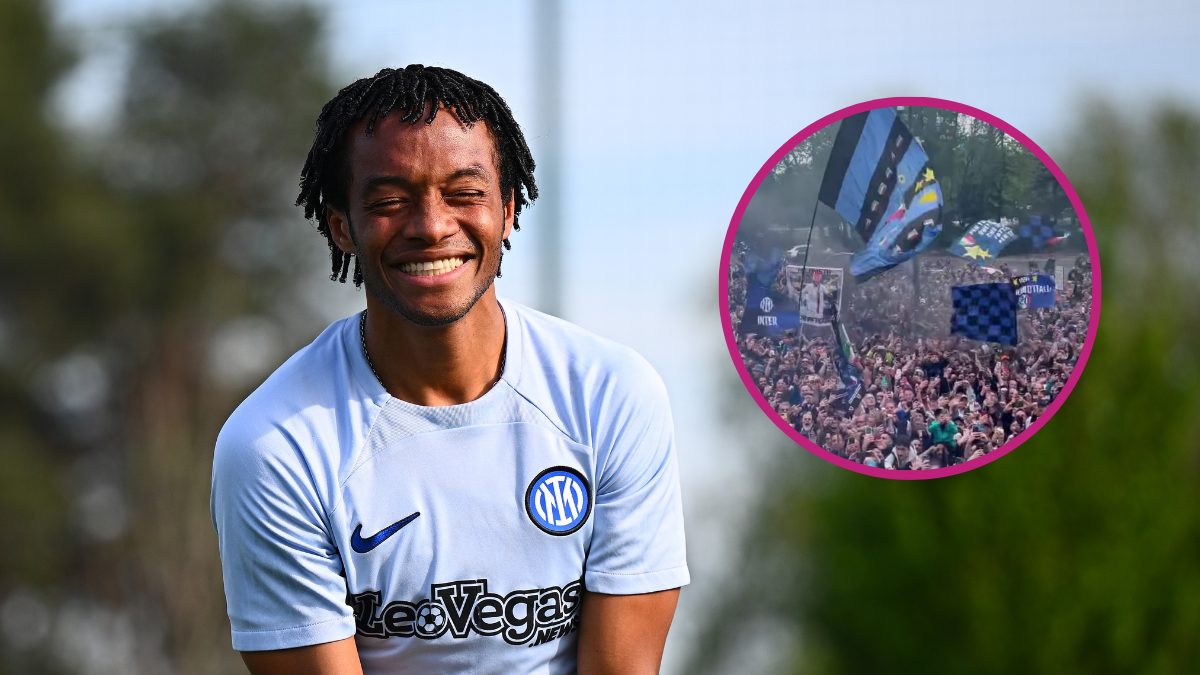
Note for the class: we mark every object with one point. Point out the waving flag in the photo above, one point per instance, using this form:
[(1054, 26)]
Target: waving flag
[(849, 377), (1039, 234), (985, 312), (878, 178), (1034, 290), (984, 241), (1034, 235), (768, 312)]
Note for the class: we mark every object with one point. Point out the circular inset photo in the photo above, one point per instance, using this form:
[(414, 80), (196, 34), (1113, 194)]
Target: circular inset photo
[(911, 288)]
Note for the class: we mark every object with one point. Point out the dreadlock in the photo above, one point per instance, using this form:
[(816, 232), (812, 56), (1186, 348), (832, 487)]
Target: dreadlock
[(325, 180)]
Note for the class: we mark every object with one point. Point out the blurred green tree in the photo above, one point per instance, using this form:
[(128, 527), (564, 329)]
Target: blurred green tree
[(150, 284), (34, 174), (786, 195), (218, 117), (1078, 552)]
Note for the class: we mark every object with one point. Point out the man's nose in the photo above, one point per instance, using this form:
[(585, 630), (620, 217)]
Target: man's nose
[(431, 221)]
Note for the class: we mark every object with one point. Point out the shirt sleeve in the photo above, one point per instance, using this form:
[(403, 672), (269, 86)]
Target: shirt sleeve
[(284, 583), (637, 537)]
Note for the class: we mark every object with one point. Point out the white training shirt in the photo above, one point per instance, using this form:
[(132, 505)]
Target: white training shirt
[(451, 539)]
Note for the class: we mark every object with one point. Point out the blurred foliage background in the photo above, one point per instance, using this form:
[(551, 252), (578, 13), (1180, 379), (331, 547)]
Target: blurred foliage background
[(151, 276), (148, 280)]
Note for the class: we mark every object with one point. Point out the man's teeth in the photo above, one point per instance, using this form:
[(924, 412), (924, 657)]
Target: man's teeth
[(432, 267)]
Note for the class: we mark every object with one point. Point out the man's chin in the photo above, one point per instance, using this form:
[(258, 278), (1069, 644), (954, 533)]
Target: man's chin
[(431, 317)]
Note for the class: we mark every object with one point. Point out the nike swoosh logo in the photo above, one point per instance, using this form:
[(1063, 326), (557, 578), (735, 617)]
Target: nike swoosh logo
[(363, 545)]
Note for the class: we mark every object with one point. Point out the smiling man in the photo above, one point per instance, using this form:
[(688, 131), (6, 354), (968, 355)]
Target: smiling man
[(446, 482)]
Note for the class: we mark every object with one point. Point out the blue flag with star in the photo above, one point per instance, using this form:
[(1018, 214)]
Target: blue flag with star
[(878, 178), (985, 312), (983, 242)]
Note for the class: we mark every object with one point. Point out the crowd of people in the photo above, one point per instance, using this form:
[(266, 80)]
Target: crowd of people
[(927, 399)]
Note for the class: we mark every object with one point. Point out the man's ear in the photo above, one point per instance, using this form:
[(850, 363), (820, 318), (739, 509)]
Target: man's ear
[(339, 227), (510, 214)]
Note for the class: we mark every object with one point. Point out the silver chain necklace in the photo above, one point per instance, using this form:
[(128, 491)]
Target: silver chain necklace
[(362, 336)]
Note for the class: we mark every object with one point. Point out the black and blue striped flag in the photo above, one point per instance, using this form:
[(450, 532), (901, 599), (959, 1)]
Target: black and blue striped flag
[(985, 312), (878, 178)]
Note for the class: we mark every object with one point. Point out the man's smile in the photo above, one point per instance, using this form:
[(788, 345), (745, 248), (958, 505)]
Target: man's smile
[(431, 268), (434, 268)]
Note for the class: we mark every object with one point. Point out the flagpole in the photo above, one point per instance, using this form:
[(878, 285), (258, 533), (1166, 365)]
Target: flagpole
[(804, 269), (916, 286)]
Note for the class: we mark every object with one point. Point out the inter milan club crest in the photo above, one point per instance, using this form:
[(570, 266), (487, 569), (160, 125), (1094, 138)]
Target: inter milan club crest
[(559, 500)]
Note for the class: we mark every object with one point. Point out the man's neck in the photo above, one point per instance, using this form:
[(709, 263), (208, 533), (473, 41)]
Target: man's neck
[(439, 365)]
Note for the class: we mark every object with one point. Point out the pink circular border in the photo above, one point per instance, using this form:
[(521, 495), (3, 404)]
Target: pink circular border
[(727, 249)]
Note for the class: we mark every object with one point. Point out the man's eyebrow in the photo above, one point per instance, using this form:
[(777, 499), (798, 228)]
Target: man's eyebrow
[(372, 182), (473, 171), (386, 180)]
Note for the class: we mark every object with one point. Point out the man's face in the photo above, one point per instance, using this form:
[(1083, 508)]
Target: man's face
[(425, 215)]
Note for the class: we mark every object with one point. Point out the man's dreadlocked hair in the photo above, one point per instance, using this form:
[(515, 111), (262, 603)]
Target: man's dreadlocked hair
[(325, 180)]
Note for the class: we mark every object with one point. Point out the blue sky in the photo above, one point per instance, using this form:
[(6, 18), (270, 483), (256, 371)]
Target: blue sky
[(670, 108)]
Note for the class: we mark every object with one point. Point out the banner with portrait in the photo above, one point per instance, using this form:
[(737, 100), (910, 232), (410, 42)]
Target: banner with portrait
[(818, 295)]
